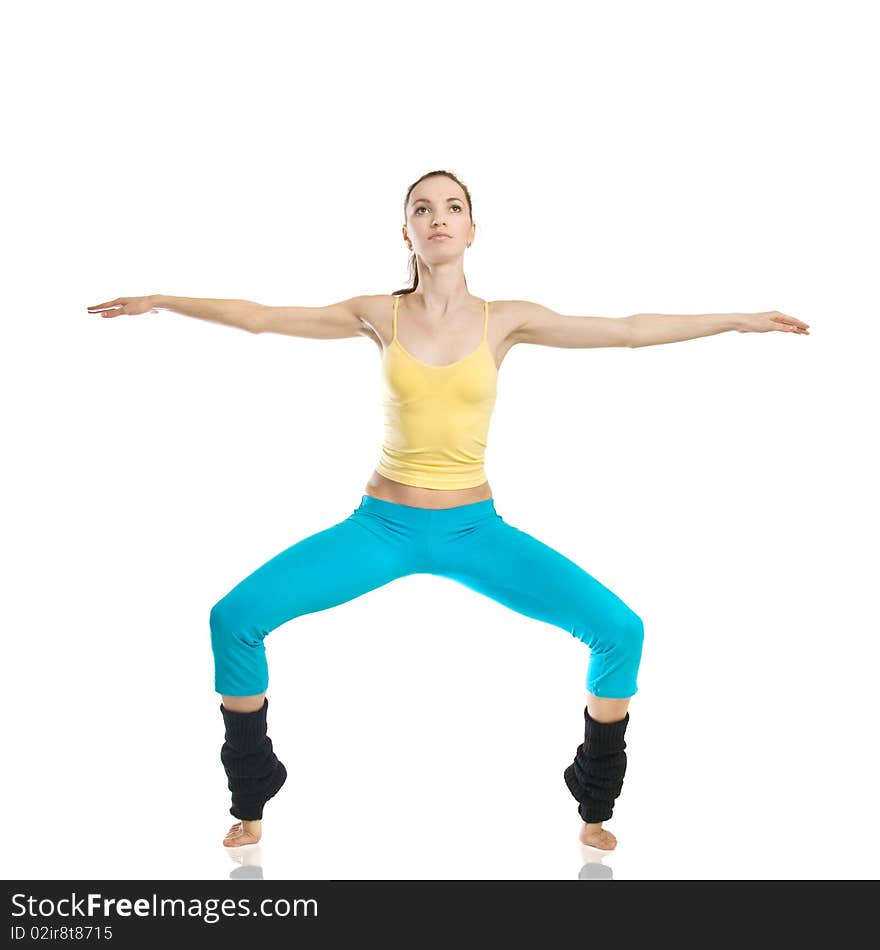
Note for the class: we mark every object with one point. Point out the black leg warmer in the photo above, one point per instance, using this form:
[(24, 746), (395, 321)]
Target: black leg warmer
[(254, 771), (595, 778)]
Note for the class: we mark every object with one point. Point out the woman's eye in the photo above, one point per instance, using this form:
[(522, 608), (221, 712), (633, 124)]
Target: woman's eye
[(424, 208)]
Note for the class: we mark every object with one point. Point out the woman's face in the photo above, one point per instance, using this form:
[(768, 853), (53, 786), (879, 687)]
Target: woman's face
[(438, 206)]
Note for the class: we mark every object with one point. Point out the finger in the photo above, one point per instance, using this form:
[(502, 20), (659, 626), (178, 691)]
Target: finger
[(103, 306), (795, 321)]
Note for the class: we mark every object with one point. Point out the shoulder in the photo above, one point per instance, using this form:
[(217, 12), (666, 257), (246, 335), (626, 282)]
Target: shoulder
[(374, 313), (514, 316), (375, 309)]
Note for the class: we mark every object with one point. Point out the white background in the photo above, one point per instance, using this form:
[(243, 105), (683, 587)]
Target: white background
[(680, 157)]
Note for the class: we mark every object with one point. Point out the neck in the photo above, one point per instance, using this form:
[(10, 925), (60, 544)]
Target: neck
[(442, 288)]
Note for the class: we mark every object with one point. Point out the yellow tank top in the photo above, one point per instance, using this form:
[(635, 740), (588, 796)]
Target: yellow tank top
[(437, 417)]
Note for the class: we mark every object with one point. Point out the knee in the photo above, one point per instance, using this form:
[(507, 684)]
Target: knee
[(631, 633), (229, 625), (624, 635), (616, 654)]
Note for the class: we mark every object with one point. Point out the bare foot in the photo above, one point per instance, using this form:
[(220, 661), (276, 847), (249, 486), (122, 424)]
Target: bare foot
[(243, 832), (597, 837)]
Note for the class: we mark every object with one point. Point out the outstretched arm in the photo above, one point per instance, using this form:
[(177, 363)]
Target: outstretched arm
[(231, 313), (648, 329), (334, 322), (534, 323)]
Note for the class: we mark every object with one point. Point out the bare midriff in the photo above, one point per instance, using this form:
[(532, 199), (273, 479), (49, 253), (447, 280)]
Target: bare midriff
[(384, 488)]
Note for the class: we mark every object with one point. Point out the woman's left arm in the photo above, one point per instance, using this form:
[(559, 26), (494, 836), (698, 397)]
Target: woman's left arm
[(648, 329)]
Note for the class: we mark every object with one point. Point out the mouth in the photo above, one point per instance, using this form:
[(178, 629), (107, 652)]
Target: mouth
[(440, 237)]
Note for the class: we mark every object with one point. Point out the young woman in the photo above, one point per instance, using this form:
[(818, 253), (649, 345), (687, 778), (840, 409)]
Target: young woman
[(428, 507)]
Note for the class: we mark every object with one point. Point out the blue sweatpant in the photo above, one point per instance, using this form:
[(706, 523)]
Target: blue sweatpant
[(381, 541)]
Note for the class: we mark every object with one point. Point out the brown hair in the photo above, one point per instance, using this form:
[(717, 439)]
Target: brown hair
[(413, 264)]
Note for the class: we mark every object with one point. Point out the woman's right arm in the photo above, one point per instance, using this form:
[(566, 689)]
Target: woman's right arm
[(232, 313), (334, 322), (337, 321)]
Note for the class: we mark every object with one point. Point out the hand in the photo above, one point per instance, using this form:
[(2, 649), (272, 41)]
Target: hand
[(125, 305), (772, 320)]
